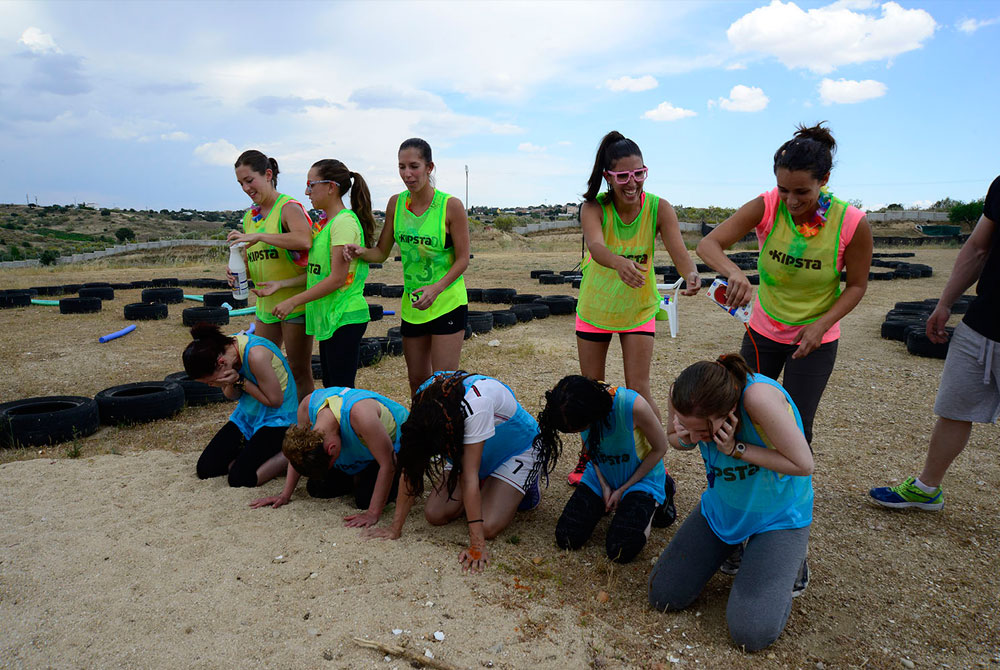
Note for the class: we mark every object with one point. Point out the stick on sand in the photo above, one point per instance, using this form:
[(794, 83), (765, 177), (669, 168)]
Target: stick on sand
[(394, 650)]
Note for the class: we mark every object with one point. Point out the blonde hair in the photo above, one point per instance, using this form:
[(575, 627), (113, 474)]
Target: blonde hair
[(303, 447)]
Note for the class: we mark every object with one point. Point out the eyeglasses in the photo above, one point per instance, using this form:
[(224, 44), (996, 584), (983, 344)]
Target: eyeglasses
[(310, 184), (621, 178)]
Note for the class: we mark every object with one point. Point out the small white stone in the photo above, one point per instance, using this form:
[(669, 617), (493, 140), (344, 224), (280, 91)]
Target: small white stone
[(397, 631), (387, 658), (313, 632), (313, 575), (428, 654), (439, 636), (429, 603), (907, 663), (493, 343)]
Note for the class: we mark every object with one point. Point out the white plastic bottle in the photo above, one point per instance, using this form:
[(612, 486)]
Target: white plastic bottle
[(238, 267)]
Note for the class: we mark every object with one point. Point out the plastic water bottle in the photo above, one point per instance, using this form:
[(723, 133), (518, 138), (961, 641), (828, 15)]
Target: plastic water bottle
[(717, 294), (238, 267)]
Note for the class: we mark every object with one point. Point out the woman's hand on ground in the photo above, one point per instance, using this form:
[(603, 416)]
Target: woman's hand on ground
[(361, 520), (380, 533), (630, 272), (270, 501), (474, 559)]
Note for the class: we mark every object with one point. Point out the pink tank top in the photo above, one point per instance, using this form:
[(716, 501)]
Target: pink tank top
[(759, 320)]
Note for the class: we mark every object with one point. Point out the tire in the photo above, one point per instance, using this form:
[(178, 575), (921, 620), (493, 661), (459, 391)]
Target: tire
[(370, 352), (145, 311), (568, 273), (392, 291), (394, 332), (918, 305), (551, 279), (101, 292), (395, 346), (474, 294), (524, 298), (317, 367), (540, 310), (168, 296), (535, 274), (754, 279), (50, 290), (122, 286), (468, 332), (882, 276), (79, 305), (907, 315), (896, 330), (374, 266), (71, 288), (522, 312), (503, 318), (559, 304), (576, 283), (498, 296), (701, 267), (918, 344), (215, 299), (195, 392), (47, 420), (139, 402), (165, 281), (195, 315), (18, 299), (375, 312), (481, 322), (372, 289), (141, 283)]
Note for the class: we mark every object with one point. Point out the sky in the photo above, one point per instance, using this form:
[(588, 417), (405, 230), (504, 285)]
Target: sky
[(148, 104)]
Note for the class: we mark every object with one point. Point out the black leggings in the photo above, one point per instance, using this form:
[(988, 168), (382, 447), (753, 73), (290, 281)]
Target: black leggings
[(339, 355), (338, 483), (230, 453), (629, 527), (805, 378)]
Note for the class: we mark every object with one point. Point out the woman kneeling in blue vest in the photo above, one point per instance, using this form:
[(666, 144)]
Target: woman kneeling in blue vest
[(759, 466), (625, 444), (345, 441), (479, 446)]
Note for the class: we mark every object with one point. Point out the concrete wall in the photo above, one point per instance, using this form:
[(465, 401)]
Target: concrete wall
[(558, 225), (118, 249), (917, 215)]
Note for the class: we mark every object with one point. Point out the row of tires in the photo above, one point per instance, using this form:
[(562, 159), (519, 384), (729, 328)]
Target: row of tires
[(54, 419), (907, 322)]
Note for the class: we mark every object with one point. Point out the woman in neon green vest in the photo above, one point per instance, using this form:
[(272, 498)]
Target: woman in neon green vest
[(278, 233), (618, 291), (806, 237), (336, 310), (432, 231)]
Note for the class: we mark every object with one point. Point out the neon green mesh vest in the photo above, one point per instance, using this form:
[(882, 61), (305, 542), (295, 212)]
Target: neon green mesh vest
[(421, 241), (269, 263), (605, 300), (347, 304)]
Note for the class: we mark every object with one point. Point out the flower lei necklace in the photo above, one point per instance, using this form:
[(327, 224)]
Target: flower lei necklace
[(812, 228), (255, 213)]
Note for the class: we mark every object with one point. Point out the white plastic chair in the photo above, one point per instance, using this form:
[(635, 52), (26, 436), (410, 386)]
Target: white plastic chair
[(669, 303)]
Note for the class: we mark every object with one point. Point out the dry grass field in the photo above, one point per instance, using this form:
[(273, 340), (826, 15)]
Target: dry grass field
[(112, 553)]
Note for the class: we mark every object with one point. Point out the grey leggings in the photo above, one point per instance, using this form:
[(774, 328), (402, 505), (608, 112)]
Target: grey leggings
[(761, 597)]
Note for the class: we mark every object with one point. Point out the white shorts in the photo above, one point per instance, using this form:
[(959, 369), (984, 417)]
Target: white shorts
[(514, 471)]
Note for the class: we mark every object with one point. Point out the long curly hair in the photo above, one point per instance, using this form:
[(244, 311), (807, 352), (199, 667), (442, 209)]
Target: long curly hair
[(434, 433), (577, 403)]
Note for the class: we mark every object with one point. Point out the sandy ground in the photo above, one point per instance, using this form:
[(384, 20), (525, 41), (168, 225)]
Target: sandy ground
[(121, 558)]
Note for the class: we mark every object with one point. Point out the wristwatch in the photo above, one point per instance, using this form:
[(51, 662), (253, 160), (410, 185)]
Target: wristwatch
[(738, 450), (238, 384)]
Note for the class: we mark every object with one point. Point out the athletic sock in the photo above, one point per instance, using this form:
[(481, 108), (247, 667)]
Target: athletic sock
[(923, 487)]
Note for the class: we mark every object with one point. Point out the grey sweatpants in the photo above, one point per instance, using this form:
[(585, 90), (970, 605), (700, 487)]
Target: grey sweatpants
[(761, 598)]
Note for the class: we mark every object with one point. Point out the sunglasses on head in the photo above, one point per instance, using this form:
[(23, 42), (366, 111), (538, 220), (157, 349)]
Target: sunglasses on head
[(639, 175)]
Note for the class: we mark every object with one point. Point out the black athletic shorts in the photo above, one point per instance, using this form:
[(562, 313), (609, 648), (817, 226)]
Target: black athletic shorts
[(446, 324)]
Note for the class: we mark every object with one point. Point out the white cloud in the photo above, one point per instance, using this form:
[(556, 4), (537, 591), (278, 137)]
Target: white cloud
[(972, 25), (219, 152), (632, 84), (176, 136), (38, 42), (825, 38), (847, 91), (736, 66), (530, 148), (744, 99), (667, 112), (921, 204)]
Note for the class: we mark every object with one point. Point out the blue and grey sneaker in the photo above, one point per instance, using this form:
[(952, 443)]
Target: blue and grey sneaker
[(802, 581), (532, 497), (907, 494)]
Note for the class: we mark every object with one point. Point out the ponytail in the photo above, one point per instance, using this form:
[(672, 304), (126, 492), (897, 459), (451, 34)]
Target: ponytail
[(202, 353), (613, 146), (361, 204), (710, 388), (809, 149)]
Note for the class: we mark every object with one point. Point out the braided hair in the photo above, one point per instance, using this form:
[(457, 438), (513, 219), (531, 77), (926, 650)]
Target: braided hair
[(434, 433), (577, 403)]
